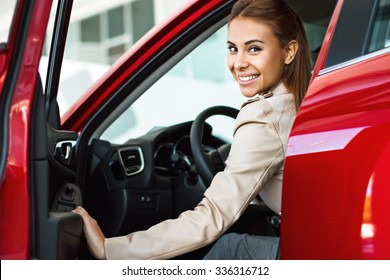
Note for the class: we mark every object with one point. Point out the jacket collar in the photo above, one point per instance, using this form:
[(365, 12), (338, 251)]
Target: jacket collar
[(279, 89)]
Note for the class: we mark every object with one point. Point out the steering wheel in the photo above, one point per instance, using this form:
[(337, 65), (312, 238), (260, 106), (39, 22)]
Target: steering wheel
[(210, 163)]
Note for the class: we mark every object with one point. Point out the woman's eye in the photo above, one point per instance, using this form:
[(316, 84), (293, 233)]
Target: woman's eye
[(254, 49), (232, 49)]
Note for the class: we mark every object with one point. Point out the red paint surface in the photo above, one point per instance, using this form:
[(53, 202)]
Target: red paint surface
[(14, 189)]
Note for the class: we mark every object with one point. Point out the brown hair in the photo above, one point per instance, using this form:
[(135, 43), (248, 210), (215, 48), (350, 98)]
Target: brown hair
[(286, 26)]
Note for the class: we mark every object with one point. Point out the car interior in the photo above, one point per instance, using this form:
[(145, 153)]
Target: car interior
[(141, 179)]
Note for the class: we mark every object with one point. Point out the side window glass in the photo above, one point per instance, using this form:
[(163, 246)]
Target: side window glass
[(315, 35), (198, 81), (6, 14), (380, 37), (350, 35)]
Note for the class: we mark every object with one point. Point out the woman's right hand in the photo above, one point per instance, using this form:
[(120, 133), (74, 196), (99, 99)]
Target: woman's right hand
[(93, 234)]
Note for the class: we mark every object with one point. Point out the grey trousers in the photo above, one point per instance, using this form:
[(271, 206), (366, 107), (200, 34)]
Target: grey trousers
[(234, 246)]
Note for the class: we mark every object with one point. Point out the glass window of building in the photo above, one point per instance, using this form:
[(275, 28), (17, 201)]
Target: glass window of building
[(116, 22), (142, 15), (90, 29)]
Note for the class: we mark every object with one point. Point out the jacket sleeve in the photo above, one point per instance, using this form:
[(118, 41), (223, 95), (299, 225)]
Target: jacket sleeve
[(256, 154)]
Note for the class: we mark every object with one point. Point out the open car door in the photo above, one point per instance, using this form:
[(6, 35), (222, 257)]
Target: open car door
[(35, 204)]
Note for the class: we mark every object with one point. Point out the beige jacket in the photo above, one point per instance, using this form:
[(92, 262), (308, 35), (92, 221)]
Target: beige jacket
[(254, 165)]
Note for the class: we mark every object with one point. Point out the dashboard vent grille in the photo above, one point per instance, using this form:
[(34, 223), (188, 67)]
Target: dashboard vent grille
[(132, 160)]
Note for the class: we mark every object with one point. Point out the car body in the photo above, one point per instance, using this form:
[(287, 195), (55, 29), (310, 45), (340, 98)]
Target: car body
[(335, 186)]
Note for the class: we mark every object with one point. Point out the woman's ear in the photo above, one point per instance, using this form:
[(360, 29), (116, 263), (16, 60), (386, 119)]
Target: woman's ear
[(291, 51)]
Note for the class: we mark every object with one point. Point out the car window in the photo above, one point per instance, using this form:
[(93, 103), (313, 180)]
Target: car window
[(99, 33), (350, 37), (315, 36), (6, 11), (198, 81), (380, 37)]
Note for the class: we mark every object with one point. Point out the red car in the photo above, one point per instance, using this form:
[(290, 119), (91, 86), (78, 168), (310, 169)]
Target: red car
[(128, 147)]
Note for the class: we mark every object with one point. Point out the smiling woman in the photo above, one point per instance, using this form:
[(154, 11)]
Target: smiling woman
[(255, 58), (276, 38)]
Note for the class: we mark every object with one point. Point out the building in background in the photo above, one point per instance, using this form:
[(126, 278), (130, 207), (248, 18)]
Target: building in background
[(101, 31)]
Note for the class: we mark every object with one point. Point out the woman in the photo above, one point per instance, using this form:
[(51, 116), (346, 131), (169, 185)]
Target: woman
[(269, 58)]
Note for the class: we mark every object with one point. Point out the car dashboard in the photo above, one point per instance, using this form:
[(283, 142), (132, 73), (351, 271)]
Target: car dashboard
[(146, 180)]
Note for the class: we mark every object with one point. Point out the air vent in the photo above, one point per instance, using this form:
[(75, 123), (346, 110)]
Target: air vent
[(132, 160)]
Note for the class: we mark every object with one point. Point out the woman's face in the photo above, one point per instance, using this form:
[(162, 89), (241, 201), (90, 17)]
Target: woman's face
[(255, 57)]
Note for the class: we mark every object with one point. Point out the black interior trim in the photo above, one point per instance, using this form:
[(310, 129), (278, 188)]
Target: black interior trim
[(54, 235), (39, 165), (57, 48)]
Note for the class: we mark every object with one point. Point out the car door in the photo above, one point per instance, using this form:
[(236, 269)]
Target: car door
[(11, 53), (20, 59), (336, 184), (35, 204)]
